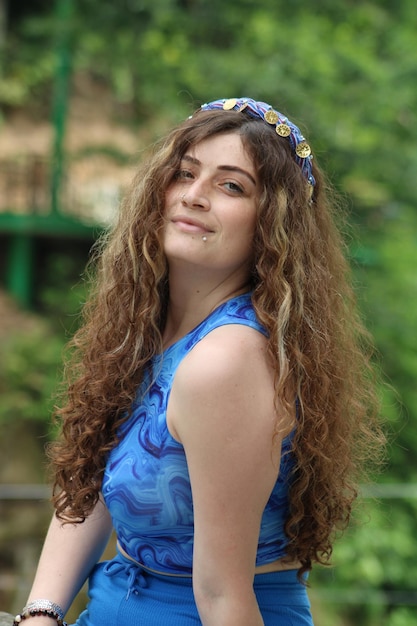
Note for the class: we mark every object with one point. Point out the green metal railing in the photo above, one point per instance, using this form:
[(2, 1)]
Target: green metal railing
[(19, 229)]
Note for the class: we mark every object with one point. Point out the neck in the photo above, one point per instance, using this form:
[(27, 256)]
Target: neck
[(191, 301)]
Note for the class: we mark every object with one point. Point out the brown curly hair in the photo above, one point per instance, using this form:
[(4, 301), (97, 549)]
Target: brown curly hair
[(302, 294)]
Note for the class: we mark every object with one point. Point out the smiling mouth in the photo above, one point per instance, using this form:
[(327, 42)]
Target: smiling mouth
[(190, 226)]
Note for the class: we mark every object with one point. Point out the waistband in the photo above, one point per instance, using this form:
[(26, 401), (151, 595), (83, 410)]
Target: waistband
[(282, 584)]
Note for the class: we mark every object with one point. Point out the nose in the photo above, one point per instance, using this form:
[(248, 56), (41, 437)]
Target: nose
[(196, 196)]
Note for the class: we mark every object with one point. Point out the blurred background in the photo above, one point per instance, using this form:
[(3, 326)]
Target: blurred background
[(85, 88)]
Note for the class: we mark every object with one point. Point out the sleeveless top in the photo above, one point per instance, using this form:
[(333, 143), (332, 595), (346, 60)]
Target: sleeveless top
[(146, 485)]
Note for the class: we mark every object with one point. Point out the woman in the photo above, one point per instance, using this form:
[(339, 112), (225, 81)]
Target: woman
[(219, 407)]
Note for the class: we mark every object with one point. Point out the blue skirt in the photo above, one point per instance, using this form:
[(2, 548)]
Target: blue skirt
[(121, 592)]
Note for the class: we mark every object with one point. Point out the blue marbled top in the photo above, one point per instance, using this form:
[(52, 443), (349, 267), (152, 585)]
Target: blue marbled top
[(146, 484)]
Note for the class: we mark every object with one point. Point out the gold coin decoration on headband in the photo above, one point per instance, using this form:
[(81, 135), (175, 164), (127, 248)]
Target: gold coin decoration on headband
[(283, 130), (271, 116), (281, 125), (303, 150), (229, 104)]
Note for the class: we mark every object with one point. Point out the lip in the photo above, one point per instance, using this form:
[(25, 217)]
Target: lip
[(190, 225)]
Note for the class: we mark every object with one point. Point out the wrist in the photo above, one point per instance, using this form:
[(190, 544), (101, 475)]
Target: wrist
[(41, 609), (42, 617)]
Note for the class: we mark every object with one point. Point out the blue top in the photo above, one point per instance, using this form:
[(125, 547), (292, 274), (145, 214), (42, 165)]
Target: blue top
[(146, 484)]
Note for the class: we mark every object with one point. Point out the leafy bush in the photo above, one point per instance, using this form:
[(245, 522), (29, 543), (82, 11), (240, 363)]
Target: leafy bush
[(29, 373)]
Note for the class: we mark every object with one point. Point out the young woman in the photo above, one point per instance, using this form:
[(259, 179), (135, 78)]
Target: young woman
[(219, 407)]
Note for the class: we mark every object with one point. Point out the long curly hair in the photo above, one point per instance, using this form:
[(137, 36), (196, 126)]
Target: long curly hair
[(303, 296)]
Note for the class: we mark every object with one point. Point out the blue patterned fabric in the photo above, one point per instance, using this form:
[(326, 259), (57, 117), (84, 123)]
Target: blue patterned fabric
[(146, 485)]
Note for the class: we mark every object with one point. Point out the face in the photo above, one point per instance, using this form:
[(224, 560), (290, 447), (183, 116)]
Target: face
[(211, 207)]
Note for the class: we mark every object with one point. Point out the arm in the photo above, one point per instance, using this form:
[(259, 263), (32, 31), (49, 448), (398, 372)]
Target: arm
[(69, 553), (222, 410)]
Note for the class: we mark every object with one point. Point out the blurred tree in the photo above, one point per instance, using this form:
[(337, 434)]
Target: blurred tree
[(337, 77), (3, 23)]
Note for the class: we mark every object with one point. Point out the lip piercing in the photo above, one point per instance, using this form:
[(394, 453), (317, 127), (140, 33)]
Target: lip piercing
[(204, 238)]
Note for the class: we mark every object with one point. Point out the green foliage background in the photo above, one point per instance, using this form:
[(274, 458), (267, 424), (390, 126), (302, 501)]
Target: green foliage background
[(346, 71)]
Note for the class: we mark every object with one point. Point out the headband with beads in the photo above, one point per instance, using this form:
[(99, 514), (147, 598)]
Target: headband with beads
[(283, 128)]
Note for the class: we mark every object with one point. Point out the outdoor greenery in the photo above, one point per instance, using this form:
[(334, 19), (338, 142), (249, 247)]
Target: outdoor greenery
[(346, 71)]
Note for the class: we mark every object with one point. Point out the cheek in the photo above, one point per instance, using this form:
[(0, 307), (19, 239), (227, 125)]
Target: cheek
[(247, 227), (167, 202), (241, 236), (170, 196), (249, 236)]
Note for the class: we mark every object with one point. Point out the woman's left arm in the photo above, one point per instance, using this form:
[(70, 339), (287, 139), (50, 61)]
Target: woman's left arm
[(222, 410)]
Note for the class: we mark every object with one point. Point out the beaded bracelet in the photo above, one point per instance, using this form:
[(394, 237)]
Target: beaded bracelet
[(41, 608)]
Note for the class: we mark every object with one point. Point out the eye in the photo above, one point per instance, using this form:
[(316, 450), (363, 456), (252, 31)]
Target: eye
[(183, 174), (233, 187)]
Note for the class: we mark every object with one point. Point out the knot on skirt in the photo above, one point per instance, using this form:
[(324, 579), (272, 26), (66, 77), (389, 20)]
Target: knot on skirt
[(134, 573)]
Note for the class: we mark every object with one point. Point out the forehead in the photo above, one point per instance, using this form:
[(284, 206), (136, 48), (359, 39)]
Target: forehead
[(224, 148)]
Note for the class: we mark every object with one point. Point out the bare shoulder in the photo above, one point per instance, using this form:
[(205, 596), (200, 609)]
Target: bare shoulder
[(228, 352), (227, 381)]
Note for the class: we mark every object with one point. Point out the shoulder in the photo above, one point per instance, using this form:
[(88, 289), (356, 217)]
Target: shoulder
[(224, 383), (226, 352)]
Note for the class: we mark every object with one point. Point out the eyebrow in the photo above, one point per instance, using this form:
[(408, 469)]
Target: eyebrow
[(224, 168)]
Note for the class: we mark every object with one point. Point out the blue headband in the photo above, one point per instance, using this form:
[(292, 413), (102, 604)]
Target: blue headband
[(283, 128)]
